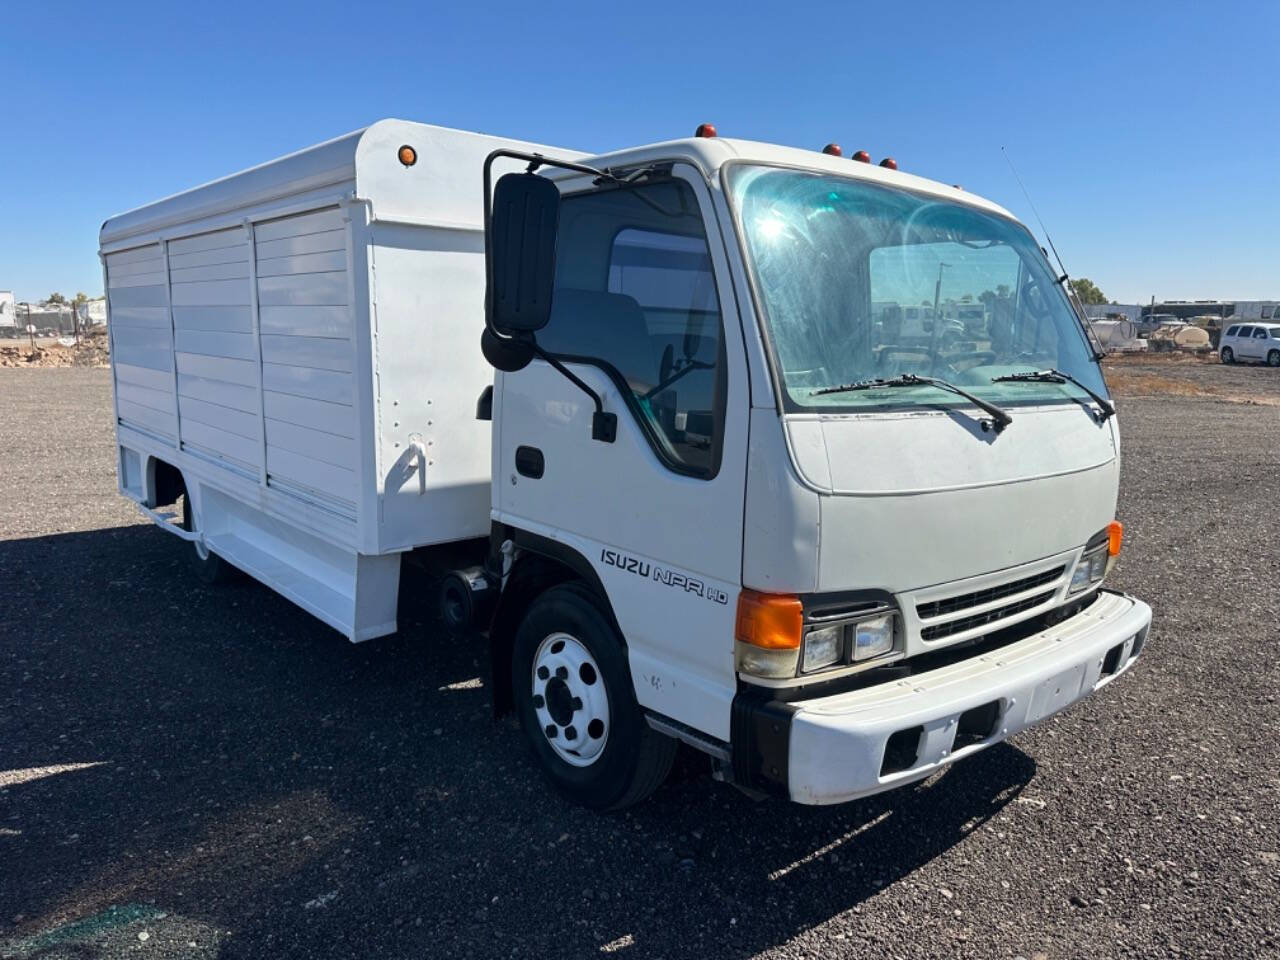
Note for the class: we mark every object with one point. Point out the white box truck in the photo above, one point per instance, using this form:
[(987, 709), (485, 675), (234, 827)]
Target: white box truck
[(705, 497)]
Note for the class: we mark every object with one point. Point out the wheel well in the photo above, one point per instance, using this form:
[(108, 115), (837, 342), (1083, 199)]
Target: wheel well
[(533, 575), (166, 482)]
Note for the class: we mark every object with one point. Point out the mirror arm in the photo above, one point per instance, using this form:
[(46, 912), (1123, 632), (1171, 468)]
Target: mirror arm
[(604, 425)]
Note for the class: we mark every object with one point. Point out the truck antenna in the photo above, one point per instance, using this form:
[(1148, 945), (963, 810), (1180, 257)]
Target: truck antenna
[(1064, 279)]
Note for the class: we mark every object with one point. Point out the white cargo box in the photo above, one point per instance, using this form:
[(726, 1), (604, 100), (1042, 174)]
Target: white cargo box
[(301, 341)]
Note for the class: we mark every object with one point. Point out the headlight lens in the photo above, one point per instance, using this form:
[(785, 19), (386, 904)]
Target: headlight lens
[(821, 648), (873, 637), (1089, 571)]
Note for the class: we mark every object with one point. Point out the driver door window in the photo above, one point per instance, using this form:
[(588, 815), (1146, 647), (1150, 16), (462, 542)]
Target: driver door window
[(636, 296)]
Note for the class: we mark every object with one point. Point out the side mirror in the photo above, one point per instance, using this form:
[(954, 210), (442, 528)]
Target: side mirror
[(522, 252)]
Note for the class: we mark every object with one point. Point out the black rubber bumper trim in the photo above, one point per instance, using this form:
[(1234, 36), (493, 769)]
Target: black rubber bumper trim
[(760, 740)]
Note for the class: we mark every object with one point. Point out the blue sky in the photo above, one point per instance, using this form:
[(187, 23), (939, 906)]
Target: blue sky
[(1150, 141)]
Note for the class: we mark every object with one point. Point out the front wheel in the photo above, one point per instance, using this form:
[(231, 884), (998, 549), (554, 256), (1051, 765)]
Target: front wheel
[(1228, 356), (577, 706), (1273, 358)]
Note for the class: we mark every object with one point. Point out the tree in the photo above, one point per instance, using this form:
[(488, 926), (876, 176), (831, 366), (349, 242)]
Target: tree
[(1087, 291), (81, 297), (56, 298)]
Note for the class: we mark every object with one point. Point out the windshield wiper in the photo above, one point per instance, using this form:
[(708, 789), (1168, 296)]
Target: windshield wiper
[(1058, 376), (999, 419)]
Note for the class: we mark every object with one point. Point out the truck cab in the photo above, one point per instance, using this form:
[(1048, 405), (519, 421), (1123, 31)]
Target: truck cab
[(735, 507)]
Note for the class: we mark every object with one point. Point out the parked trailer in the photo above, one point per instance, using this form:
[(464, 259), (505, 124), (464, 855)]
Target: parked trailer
[(713, 497)]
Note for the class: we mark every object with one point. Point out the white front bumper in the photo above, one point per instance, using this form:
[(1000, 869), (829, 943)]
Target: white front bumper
[(837, 743)]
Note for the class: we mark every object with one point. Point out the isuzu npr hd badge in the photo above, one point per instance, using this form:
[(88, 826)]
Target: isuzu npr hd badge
[(671, 578)]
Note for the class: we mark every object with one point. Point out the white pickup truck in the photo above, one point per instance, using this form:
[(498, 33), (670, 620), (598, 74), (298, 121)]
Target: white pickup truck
[(708, 496)]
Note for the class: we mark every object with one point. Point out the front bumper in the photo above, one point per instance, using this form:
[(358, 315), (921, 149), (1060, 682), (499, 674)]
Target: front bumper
[(848, 745)]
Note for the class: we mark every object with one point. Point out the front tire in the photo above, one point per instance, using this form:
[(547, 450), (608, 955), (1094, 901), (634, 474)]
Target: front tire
[(1228, 356), (577, 706), (208, 566), (1273, 358)]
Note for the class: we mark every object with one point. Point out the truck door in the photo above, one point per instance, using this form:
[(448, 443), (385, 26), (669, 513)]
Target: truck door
[(643, 312)]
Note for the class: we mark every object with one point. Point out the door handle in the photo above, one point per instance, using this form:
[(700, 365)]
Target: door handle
[(419, 450), (530, 462)]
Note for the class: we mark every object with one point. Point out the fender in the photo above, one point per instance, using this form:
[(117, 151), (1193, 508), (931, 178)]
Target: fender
[(543, 564)]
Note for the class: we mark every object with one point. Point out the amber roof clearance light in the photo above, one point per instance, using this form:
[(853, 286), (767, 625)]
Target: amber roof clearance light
[(705, 130), (408, 156)]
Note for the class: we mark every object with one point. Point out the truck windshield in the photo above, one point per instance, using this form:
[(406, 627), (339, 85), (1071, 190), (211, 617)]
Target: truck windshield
[(859, 282)]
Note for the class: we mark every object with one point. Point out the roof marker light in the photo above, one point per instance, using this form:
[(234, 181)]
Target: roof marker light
[(833, 150), (705, 130), (862, 156), (408, 156), (889, 163)]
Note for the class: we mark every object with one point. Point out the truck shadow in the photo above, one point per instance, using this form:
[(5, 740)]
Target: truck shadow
[(213, 766)]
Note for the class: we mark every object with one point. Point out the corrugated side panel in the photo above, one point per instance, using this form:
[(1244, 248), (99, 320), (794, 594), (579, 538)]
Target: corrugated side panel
[(215, 349), (307, 356), (142, 340)]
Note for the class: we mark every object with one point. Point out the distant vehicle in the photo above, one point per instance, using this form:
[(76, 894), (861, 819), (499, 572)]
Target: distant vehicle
[(972, 317), (1151, 322), (1251, 341)]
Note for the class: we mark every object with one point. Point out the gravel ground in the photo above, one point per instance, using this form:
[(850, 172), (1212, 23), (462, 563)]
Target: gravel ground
[(191, 771)]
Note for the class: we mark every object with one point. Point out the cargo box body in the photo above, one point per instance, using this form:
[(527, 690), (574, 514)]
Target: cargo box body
[(300, 342)]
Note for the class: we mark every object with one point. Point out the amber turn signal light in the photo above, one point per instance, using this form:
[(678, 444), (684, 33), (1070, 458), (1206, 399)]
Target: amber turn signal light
[(1115, 537), (770, 620)]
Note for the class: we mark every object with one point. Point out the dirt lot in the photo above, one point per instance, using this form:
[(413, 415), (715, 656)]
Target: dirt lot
[(197, 772), (1188, 375)]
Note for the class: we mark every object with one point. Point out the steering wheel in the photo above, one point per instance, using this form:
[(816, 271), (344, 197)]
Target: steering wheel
[(983, 357)]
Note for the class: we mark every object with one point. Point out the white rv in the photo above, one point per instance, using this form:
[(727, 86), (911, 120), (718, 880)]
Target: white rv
[(705, 497)]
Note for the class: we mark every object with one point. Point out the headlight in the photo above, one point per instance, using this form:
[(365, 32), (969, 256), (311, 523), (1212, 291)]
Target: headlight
[(775, 640), (822, 647), (1090, 570), (873, 637)]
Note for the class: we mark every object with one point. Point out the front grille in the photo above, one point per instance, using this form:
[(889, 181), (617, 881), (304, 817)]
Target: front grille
[(938, 608), (982, 619)]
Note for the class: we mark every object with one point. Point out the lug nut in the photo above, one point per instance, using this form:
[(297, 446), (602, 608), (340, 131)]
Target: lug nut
[(577, 703), (538, 702), (543, 673), (571, 732), (551, 731), (562, 673)]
